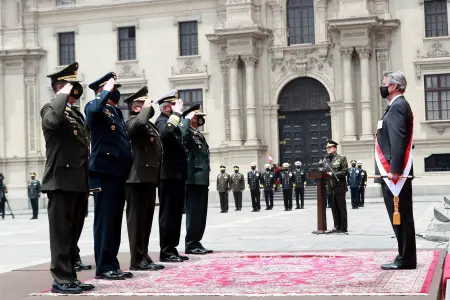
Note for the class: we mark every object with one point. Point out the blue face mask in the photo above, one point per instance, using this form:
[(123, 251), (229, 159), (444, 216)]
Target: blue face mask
[(114, 96)]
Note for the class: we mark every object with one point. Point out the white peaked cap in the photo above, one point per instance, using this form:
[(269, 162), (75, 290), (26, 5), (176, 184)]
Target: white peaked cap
[(285, 165), (297, 163)]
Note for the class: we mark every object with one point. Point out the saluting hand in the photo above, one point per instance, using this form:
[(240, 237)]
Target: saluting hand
[(147, 103), (109, 85), (66, 89), (178, 107), (190, 115)]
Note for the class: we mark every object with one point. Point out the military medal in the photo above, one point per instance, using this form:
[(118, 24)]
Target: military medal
[(113, 127)]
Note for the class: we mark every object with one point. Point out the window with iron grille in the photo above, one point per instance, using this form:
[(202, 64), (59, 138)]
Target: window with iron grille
[(191, 97), (127, 43), (437, 163), (300, 19), (437, 96), (188, 38), (66, 48), (436, 19), (124, 107)]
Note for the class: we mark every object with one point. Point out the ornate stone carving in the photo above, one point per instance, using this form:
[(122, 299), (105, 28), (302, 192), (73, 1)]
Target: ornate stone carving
[(364, 52), (189, 68), (250, 60), (271, 39), (437, 51), (346, 52), (127, 72), (276, 62), (234, 61), (439, 125)]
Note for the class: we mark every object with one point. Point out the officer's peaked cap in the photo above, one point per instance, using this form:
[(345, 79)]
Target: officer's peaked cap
[(223, 167), (285, 165), (169, 97), (253, 164), (68, 74), (102, 81), (139, 96), (267, 166), (297, 163), (331, 143), (235, 167), (32, 174), (359, 163), (353, 161)]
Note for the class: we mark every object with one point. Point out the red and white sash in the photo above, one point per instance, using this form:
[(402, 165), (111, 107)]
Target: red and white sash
[(395, 186)]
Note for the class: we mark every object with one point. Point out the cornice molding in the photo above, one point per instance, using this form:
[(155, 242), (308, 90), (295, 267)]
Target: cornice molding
[(22, 53)]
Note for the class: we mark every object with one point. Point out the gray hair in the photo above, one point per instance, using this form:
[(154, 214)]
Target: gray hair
[(164, 104), (396, 77)]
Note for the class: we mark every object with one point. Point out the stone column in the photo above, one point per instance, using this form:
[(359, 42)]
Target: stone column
[(235, 119), (224, 67), (320, 13), (366, 103), (250, 62), (3, 111), (349, 105)]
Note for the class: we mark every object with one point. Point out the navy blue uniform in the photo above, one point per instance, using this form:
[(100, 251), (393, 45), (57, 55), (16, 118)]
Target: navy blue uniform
[(110, 165), (354, 178)]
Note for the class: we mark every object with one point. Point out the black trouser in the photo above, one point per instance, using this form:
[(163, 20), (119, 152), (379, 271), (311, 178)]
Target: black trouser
[(223, 196), (256, 197), (108, 213), (35, 207), (238, 200), (405, 232), (362, 190), (79, 223), (268, 195), (287, 198), (329, 199), (339, 210), (63, 209), (141, 199), (2, 207), (300, 191), (171, 202), (196, 214), (354, 194)]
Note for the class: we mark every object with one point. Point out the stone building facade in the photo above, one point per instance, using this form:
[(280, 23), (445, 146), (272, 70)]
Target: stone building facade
[(275, 77)]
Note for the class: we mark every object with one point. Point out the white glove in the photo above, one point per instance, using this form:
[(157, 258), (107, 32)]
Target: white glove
[(109, 85), (65, 90), (190, 115), (147, 103), (178, 107)]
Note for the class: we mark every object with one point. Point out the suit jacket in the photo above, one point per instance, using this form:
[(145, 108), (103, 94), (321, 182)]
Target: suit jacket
[(394, 135), (67, 148), (174, 165), (339, 165), (110, 144), (147, 148)]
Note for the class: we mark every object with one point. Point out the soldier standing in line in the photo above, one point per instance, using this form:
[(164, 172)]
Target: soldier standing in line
[(287, 183), (143, 180), (362, 187), (300, 182), (268, 181), (2, 196), (354, 181), (336, 167), (34, 192), (237, 185), (254, 182), (223, 187)]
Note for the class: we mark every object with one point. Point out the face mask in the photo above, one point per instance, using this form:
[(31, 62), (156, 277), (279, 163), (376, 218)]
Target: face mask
[(267, 169), (353, 165), (253, 168), (298, 167), (114, 96), (236, 171), (77, 91), (222, 171), (359, 167), (384, 92)]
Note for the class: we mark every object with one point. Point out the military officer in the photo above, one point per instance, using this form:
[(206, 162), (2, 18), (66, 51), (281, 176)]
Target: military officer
[(287, 183), (268, 182), (34, 192), (143, 180), (254, 184), (65, 179), (300, 182), (109, 169), (171, 189), (336, 167), (223, 187), (2, 196), (362, 187), (237, 186), (354, 182), (197, 180)]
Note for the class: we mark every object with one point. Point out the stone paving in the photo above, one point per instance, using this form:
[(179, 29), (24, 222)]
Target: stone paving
[(24, 242)]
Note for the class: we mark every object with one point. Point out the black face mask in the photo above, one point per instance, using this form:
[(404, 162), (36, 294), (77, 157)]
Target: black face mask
[(267, 169), (353, 165), (253, 168), (236, 171), (298, 167), (222, 171), (114, 96), (384, 92), (359, 167)]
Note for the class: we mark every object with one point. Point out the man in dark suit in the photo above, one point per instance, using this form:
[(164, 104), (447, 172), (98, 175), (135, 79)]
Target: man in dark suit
[(197, 181), (65, 177), (144, 179), (173, 176), (109, 169), (393, 161)]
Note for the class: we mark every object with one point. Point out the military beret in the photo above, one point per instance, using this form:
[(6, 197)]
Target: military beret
[(102, 81), (68, 74), (139, 96), (331, 143), (168, 97)]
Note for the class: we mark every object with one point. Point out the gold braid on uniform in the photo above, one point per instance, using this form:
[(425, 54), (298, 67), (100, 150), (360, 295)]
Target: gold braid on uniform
[(174, 120)]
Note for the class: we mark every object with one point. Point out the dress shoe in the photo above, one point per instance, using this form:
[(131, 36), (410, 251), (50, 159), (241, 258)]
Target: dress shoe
[(110, 275), (206, 250), (390, 266), (124, 274), (183, 257), (66, 288), (171, 259), (298, 207), (195, 251), (82, 266), (83, 286), (236, 209)]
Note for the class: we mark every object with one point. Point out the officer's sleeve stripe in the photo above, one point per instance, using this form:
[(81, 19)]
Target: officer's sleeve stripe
[(174, 120)]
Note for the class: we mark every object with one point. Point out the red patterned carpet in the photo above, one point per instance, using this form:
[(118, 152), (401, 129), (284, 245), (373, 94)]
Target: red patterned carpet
[(279, 274)]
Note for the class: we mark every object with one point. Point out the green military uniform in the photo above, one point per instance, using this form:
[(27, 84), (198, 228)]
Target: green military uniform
[(237, 185), (34, 192), (197, 184), (337, 168), (223, 187)]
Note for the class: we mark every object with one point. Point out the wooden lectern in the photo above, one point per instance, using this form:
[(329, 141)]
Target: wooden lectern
[(319, 176)]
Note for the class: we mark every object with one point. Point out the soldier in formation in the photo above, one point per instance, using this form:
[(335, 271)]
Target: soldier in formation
[(336, 167), (2, 195), (363, 185), (354, 182), (254, 182), (223, 187), (34, 192), (300, 182), (237, 182), (287, 183), (268, 182)]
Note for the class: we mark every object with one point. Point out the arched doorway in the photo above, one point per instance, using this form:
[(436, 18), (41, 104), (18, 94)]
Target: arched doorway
[(304, 122)]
